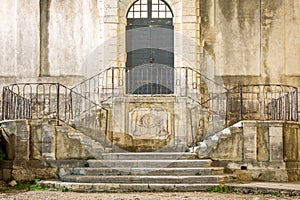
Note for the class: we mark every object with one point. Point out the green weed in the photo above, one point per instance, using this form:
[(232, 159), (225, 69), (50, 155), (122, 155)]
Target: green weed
[(64, 189), (221, 189), (25, 186)]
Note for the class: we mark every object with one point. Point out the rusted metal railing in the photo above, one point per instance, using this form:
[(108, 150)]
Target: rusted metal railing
[(208, 100), (263, 102), (251, 102), (54, 101), (115, 81), (14, 106), (102, 86)]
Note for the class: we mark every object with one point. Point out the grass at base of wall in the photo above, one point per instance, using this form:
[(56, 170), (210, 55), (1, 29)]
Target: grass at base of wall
[(24, 186), (221, 189)]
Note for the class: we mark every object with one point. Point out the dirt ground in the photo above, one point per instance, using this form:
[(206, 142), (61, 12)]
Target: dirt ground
[(54, 195), (13, 194)]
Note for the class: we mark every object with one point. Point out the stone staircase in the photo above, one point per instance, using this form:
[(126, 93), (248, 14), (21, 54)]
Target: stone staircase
[(205, 148), (125, 172)]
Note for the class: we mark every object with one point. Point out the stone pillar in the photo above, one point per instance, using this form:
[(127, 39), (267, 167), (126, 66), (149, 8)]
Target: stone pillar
[(22, 141), (180, 122), (249, 141), (276, 142), (35, 139), (119, 116), (48, 140)]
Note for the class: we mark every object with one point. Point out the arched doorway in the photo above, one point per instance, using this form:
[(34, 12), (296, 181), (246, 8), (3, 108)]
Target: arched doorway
[(150, 48)]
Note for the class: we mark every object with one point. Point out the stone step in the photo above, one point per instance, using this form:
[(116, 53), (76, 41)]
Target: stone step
[(149, 156), (149, 163), (114, 187), (148, 179), (149, 171)]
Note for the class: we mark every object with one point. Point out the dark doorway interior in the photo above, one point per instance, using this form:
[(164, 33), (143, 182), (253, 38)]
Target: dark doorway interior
[(150, 48)]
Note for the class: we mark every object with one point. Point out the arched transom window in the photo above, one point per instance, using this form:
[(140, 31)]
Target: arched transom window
[(156, 9)]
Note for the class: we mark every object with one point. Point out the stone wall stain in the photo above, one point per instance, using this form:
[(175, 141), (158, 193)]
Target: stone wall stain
[(262, 144), (270, 13), (205, 5), (247, 12), (44, 37), (227, 8)]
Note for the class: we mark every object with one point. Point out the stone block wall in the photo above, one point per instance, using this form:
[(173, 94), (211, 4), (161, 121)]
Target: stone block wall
[(36, 149), (261, 151), (292, 150)]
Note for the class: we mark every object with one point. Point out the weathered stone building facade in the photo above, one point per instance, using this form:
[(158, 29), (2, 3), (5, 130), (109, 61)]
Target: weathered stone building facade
[(248, 41), (191, 52)]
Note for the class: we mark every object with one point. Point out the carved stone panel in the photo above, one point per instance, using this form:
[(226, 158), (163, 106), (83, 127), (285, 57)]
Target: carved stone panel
[(149, 123)]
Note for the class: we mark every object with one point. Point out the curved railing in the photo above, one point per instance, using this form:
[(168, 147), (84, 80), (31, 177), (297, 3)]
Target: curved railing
[(54, 101), (263, 102), (249, 102)]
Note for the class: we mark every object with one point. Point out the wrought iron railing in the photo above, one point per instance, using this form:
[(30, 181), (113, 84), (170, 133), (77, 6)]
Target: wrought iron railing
[(196, 86), (209, 116), (245, 102), (52, 100), (250, 102), (14, 106), (112, 82), (209, 101), (263, 102), (255, 102), (102, 86), (207, 105)]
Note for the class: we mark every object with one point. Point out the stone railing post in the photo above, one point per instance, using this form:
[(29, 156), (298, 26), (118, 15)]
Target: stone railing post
[(249, 141), (276, 142)]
